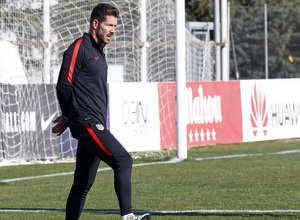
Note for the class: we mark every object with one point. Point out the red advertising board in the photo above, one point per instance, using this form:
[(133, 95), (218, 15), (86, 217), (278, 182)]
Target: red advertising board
[(167, 114), (214, 113)]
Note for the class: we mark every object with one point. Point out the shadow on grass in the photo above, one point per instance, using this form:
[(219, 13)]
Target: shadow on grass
[(165, 213)]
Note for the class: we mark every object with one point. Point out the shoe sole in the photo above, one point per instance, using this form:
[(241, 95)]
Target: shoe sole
[(146, 217)]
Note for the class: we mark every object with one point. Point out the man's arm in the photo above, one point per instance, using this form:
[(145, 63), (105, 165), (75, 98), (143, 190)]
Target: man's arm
[(71, 65)]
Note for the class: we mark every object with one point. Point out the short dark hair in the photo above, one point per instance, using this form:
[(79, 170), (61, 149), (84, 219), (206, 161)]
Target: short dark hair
[(102, 10)]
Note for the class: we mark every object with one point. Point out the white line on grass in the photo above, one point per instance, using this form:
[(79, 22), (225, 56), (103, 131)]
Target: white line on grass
[(175, 160), (203, 211), (248, 155), (224, 211)]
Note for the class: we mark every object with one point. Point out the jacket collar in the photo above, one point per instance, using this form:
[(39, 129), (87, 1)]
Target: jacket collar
[(93, 42)]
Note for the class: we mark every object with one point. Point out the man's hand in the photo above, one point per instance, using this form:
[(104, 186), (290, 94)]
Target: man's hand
[(61, 125)]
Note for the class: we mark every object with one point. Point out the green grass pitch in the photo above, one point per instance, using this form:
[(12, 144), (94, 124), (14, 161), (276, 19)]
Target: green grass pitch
[(251, 185)]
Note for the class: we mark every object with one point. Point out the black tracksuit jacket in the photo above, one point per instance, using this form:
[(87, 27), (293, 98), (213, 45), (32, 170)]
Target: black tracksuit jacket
[(81, 87)]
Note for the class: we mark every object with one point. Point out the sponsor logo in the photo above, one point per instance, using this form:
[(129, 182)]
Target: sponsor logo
[(96, 58), (202, 135), (203, 110), (135, 113), (259, 113), (45, 124), (12, 122), (285, 114)]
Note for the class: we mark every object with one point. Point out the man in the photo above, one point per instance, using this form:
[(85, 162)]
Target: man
[(82, 95)]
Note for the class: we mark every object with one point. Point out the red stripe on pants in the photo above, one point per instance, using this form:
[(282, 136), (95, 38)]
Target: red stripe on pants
[(90, 130)]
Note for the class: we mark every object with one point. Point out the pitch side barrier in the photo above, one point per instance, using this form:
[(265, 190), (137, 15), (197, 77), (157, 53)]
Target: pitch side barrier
[(26, 112), (143, 116), (234, 111)]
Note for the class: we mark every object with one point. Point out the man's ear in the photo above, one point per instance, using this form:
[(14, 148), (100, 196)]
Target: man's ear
[(95, 23)]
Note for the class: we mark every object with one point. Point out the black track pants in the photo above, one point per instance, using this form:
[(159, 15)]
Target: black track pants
[(95, 144)]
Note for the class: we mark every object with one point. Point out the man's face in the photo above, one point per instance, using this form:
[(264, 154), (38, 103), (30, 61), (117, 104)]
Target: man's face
[(106, 29)]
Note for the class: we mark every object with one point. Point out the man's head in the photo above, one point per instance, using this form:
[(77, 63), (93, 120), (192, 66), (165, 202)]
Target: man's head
[(103, 21)]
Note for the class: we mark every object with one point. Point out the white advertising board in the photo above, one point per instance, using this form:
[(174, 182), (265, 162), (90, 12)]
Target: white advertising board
[(134, 115), (270, 109), (115, 73)]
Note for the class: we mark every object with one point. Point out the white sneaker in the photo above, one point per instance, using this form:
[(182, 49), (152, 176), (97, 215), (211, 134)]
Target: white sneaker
[(146, 216)]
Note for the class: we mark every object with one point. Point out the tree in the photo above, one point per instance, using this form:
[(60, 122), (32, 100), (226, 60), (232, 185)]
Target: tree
[(199, 10), (247, 22), (283, 31)]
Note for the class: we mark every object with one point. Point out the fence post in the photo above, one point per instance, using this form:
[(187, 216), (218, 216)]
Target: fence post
[(46, 39), (181, 79), (266, 44)]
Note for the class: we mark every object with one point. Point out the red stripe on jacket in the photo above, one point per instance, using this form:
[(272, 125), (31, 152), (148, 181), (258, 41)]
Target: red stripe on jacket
[(97, 140), (73, 61)]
